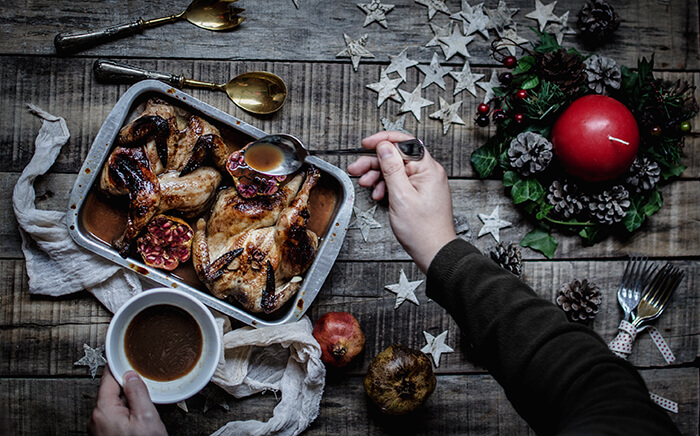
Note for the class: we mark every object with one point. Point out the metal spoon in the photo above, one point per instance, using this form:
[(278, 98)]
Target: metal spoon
[(258, 92), (281, 154), (207, 14)]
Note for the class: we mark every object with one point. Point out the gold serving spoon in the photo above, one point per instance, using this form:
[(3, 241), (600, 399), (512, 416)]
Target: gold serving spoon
[(258, 92), (207, 14)]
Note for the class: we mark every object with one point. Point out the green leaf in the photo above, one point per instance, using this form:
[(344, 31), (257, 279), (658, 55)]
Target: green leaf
[(544, 210), (526, 189), (510, 178), (672, 171), (548, 42), (634, 216), (530, 83), (540, 240), (654, 203), (589, 234), (484, 161), (524, 65)]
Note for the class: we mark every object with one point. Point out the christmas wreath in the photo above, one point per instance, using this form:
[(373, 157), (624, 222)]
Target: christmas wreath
[(592, 196)]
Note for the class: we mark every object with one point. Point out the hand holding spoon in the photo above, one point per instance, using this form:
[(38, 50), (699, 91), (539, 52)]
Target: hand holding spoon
[(207, 14), (281, 154), (258, 92)]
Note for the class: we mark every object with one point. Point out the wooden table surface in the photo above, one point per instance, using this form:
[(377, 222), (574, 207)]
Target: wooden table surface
[(42, 392)]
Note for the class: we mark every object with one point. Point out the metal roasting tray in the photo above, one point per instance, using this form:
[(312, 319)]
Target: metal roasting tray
[(329, 247)]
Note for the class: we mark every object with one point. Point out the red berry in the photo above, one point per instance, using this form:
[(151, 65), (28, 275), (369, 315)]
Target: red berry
[(655, 131), (521, 94), (482, 121), (483, 108), (505, 78), (498, 115), (519, 118), (510, 61)]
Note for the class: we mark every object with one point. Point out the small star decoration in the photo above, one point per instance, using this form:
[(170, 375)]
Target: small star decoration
[(448, 114), (386, 88), (560, 28), (365, 221), (413, 102), (436, 346), (355, 50), (510, 41), (465, 79), (375, 11), (501, 17), (488, 86), (492, 224), (400, 63), (396, 126), (474, 19), (440, 32), (434, 73), (434, 6), (404, 290), (93, 358), (455, 43), (543, 14)]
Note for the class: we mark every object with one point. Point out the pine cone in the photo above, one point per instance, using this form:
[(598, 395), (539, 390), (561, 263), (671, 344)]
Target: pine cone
[(508, 257), (580, 300), (602, 72), (530, 153), (643, 175), (566, 199), (566, 70), (597, 21), (610, 206)]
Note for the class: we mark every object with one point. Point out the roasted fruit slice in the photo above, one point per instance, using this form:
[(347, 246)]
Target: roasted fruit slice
[(166, 242)]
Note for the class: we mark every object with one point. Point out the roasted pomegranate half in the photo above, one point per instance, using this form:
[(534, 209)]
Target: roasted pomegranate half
[(166, 242)]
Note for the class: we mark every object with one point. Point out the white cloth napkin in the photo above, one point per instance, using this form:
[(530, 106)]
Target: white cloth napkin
[(284, 359)]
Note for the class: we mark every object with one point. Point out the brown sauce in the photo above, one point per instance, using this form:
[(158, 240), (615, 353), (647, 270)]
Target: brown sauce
[(163, 342), (264, 157)]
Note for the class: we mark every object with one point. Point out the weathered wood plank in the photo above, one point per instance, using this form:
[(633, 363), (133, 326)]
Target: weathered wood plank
[(314, 32), (460, 405), (328, 106)]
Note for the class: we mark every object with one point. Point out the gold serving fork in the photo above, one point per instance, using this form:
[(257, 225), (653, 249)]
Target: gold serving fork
[(655, 298)]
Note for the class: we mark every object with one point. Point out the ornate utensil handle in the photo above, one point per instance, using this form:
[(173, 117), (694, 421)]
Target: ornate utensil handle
[(114, 71)]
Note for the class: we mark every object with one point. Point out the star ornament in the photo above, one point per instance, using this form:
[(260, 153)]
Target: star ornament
[(434, 73), (386, 88), (355, 49), (400, 63), (413, 102), (93, 358), (488, 86), (448, 114), (511, 41), (501, 17), (465, 80), (455, 43), (474, 19), (436, 346), (543, 14), (404, 290), (492, 224), (560, 28), (395, 126), (434, 6), (365, 221), (376, 11), (439, 32)]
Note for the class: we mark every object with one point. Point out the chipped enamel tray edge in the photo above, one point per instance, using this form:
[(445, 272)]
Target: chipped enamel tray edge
[(100, 149)]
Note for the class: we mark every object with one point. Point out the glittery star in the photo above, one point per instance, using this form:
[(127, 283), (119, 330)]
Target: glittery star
[(413, 102), (400, 63), (396, 126), (375, 11), (473, 19), (465, 79), (434, 73), (365, 221), (93, 358), (510, 41), (434, 6), (448, 114), (386, 88), (404, 290), (543, 13), (436, 346), (355, 50), (501, 17), (456, 43), (560, 28), (488, 86), (439, 32), (492, 224)]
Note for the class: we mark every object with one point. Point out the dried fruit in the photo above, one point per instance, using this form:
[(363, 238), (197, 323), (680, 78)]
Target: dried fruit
[(399, 380), (166, 242), (340, 336)]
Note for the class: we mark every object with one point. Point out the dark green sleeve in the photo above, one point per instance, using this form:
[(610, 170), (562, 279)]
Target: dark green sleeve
[(559, 376)]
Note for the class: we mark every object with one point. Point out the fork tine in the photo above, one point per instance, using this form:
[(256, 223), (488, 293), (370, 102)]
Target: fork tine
[(656, 287), (671, 286)]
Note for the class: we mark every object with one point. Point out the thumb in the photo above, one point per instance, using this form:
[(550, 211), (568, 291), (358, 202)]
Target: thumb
[(392, 166), (137, 395)]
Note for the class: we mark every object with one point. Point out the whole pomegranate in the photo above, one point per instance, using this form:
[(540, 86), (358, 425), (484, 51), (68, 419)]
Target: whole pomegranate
[(399, 380), (340, 337)]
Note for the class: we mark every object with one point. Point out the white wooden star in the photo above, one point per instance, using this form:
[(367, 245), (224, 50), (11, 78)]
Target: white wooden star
[(488, 86), (386, 88), (434, 6), (501, 17), (510, 41), (296, 3), (473, 19), (413, 102), (560, 28), (543, 13), (93, 358), (355, 50), (376, 11), (439, 32), (465, 79), (456, 43), (434, 73), (364, 221), (448, 114), (436, 346), (404, 290), (395, 126), (492, 224), (400, 63)]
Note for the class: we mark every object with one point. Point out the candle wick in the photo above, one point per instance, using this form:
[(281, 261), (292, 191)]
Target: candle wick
[(612, 138)]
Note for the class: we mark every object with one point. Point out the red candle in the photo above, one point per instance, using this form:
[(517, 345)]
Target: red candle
[(596, 138)]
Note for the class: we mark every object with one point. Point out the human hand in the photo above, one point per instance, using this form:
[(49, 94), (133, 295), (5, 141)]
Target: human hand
[(131, 414), (420, 204)]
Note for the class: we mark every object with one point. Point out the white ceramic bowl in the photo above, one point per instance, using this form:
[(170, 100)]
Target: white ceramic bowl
[(187, 385)]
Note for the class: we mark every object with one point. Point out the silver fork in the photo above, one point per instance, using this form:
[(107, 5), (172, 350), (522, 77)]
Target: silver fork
[(636, 276), (657, 294)]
